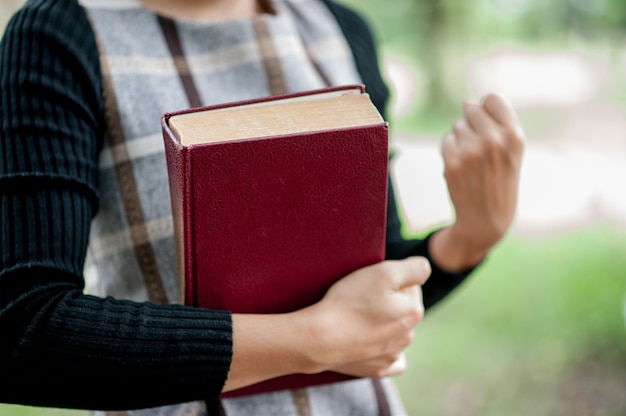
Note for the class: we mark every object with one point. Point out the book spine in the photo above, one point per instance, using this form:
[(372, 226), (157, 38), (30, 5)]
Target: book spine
[(178, 168), (189, 272)]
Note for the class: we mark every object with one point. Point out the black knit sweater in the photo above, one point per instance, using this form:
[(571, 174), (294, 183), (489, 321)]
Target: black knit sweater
[(59, 347)]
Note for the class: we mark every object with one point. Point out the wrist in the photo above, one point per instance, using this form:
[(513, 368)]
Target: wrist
[(455, 251), (311, 346), (319, 351), (269, 346)]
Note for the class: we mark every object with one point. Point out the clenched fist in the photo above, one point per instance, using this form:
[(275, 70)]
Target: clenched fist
[(482, 157)]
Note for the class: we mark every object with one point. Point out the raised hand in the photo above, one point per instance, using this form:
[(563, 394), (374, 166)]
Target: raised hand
[(482, 158)]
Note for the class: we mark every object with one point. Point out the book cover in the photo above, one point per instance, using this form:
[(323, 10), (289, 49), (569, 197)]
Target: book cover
[(275, 199)]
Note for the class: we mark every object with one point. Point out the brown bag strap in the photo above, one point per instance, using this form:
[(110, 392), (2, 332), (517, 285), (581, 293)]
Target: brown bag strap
[(381, 398), (300, 398)]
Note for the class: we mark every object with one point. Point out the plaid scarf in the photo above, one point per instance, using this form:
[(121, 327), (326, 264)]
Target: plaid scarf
[(152, 65)]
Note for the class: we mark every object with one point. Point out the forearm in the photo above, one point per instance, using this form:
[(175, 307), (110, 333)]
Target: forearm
[(79, 351)]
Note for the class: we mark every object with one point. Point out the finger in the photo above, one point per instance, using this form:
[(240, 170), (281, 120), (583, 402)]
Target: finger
[(415, 271), (375, 367), (450, 148), (398, 367), (463, 131), (503, 113), (500, 109), (477, 118), (410, 307), (400, 363)]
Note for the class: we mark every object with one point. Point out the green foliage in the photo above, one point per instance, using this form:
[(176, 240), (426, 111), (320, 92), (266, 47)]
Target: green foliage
[(14, 410), (439, 37), (539, 316)]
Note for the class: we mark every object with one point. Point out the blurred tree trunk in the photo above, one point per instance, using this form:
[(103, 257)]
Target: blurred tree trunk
[(434, 30)]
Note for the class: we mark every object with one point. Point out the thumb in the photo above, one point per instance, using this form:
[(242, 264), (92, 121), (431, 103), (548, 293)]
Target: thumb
[(414, 271)]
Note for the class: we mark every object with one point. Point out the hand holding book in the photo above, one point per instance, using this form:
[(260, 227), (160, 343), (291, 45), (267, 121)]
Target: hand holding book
[(370, 315), (361, 328)]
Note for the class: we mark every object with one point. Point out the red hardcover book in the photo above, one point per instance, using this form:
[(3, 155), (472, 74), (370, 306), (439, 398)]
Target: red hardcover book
[(275, 199)]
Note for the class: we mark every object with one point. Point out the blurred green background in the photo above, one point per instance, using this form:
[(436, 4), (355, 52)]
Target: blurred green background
[(540, 328)]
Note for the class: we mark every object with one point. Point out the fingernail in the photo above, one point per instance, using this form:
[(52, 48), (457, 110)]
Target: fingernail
[(424, 264), (468, 103)]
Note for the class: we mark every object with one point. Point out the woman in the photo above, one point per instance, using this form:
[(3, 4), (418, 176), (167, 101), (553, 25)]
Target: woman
[(87, 278)]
